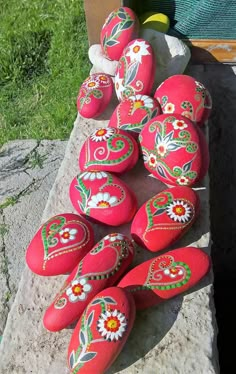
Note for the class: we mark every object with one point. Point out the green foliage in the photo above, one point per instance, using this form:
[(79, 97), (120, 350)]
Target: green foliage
[(44, 60)]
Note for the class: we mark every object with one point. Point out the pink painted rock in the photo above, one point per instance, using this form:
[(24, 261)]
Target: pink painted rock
[(120, 27), (103, 197), (109, 149), (165, 217), (133, 113), (166, 276), (174, 150), (59, 244), (184, 95), (136, 70), (101, 332), (99, 269), (94, 95)]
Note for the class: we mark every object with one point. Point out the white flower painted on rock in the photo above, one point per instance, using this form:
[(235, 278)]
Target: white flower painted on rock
[(102, 200), (179, 211), (152, 160), (169, 108), (138, 49), (173, 272), (67, 235), (93, 175), (78, 290), (162, 149), (102, 134), (112, 325), (114, 237), (183, 181), (119, 86), (141, 101), (179, 125), (91, 84)]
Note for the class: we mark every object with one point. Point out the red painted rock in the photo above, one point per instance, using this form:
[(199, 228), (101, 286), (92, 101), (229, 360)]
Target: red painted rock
[(103, 197), (165, 217), (120, 27), (109, 149), (99, 269), (166, 276), (174, 150), (101, 332), (184, 95), (94, 95), (134, 112), (59, 244), (136, 70)]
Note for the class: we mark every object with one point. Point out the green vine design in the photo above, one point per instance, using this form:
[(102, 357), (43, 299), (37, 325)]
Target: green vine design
[(98, 94), (119, 145), (85, 195), (50, 240), (160, 208), (125, 23)]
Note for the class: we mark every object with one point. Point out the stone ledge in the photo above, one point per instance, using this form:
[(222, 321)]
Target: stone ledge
[(178, 336)]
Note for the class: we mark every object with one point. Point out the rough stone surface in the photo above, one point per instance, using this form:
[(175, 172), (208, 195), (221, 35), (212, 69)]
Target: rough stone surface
[(27, 171), (178, 336)]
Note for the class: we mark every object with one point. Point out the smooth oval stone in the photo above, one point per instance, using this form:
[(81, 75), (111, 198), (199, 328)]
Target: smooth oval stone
[(120, 27), (185, 95), (101, 332), (155, 21), (133, 113), (99, 269), (166, 276), (94, 95), (165, 217), (103, 197), (109, 149), (136, 70), (174, 150), (59, 244)]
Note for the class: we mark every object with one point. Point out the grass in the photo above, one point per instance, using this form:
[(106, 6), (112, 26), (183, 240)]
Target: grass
[(43, 61)]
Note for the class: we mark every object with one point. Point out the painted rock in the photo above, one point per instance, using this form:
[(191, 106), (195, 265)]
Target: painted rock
[(166, 276), (120, 27), (109, 149), (99, 269), (134, 112), (59, 244), (101, 332), (94, 95), (103, 197), (174, 150), (165, 217), (184, 95), (136, 70), (155, 21)]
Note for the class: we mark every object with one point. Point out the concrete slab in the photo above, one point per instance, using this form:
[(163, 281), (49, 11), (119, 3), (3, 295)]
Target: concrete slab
[(28, 169), (176, 337)]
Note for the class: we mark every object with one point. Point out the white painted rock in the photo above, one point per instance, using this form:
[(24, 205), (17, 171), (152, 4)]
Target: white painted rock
[(172, 55), (100, 61)]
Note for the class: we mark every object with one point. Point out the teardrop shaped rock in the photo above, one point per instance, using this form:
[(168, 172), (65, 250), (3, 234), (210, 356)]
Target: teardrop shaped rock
[(184, 95), (166, 276), (94, 95), (133, 113), (101, 332), (103, 197), (136, 70), (174, 150), (109, 149), (99, 269), (59, 244), (120, 27), (165, 217)]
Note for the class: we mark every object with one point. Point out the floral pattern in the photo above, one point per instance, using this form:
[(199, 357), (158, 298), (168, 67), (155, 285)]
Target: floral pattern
[(183, 181), (173, 272), (169, 108), (93, 175), (152, 160), (141, 101), (119, 85), (102, 200), (102, 134), (66, 235), (137, 50), (114, 237), (179, 211), (78, 290), (179, 125), (112, 325)]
